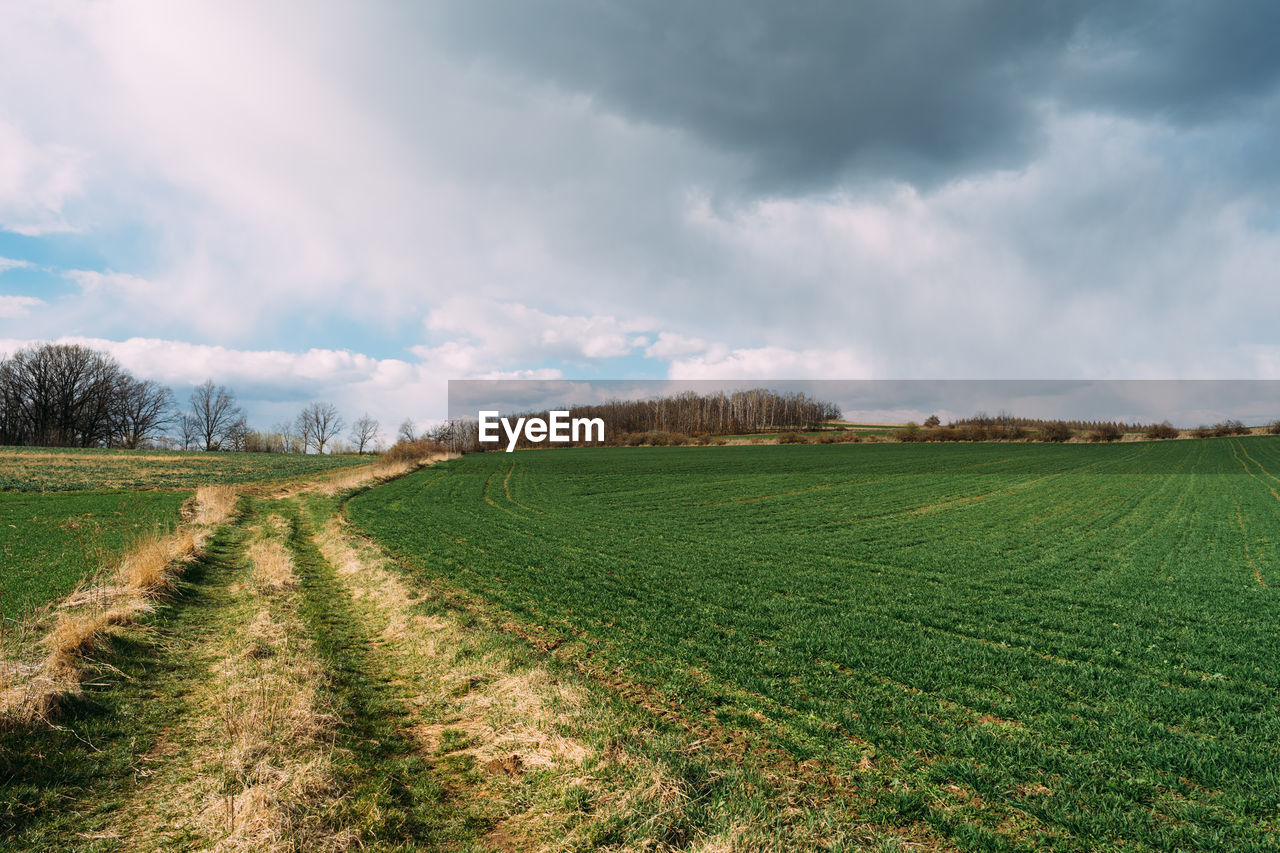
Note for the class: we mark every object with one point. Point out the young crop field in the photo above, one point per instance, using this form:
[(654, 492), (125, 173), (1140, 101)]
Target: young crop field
[(36, 469), (65, 513), (1012, 646), (49, 543)]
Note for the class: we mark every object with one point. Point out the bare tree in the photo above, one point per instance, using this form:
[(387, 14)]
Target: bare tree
[(408, 431), (363, 432), (187, 430), (290, 439), (143, 409), (214, 410), (239, 435), (319, 423), (59, 395)]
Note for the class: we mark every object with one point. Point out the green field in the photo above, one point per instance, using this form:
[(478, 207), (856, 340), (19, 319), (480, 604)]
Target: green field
[(1021, 646), (49, 543), (39, 469), (65, 513)]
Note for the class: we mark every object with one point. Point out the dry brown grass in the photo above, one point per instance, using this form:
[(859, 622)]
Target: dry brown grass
[(272, 565), (512, 718), (152, 566), (34, 690), (273, 732), (387, 468), (84, 620), (73, 639), (214, 505)]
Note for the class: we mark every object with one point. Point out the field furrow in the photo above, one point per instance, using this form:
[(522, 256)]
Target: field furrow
[(1084, 623)]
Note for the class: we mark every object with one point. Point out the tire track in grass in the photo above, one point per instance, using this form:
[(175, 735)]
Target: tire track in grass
[(491, 502), (1248, 557), (390, 791), (249, 764), (1237, 444), (506, 488)]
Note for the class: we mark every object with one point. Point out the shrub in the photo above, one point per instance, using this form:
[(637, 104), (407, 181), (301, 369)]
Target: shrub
[(1055, 431), (1161, 431), (657, 438), (1228, 427), (931, 421), (420, 448), (1274, 428), (910, 432), (792, 438), (1106, 432)]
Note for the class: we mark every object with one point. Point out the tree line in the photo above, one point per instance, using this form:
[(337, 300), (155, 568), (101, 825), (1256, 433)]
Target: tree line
[(661, 419), (68, 395), (720, 413)]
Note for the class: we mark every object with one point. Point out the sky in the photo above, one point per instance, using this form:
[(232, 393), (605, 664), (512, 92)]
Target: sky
[(357, 202)]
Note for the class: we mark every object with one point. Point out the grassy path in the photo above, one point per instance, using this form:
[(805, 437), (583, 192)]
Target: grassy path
[(300, 691), (61, 787)]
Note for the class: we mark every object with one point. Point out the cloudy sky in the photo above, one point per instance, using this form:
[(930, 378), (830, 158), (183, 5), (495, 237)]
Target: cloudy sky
[(359, 201)]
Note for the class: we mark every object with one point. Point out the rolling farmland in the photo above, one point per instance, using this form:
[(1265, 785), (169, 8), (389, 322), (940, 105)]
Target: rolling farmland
[(65, 513), (49, 543), (1014, 645), (42, 469)]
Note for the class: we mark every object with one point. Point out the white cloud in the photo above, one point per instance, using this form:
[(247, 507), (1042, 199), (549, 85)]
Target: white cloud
[(13, 307), (113, 283), (502, 333), (36, 181), (720, 362), (264, 172), (12, 264), (1083, 263), (670, 345)]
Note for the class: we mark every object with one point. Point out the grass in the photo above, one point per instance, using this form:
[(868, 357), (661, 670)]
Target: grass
[(50, 543), (296, 692), (41, 469), (67, 513), (60, 785), (1017, 646), (296, 689)]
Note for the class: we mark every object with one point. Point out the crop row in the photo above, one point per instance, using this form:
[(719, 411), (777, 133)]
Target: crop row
[(1095, 625)]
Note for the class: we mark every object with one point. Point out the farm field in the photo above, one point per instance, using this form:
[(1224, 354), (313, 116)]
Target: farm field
[(295, 690), (38, 469), (50, 542), (64, 513), (1015, 646)]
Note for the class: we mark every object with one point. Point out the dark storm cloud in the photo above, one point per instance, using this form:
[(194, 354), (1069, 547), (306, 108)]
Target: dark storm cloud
[(1187, 62), (812, 92)]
